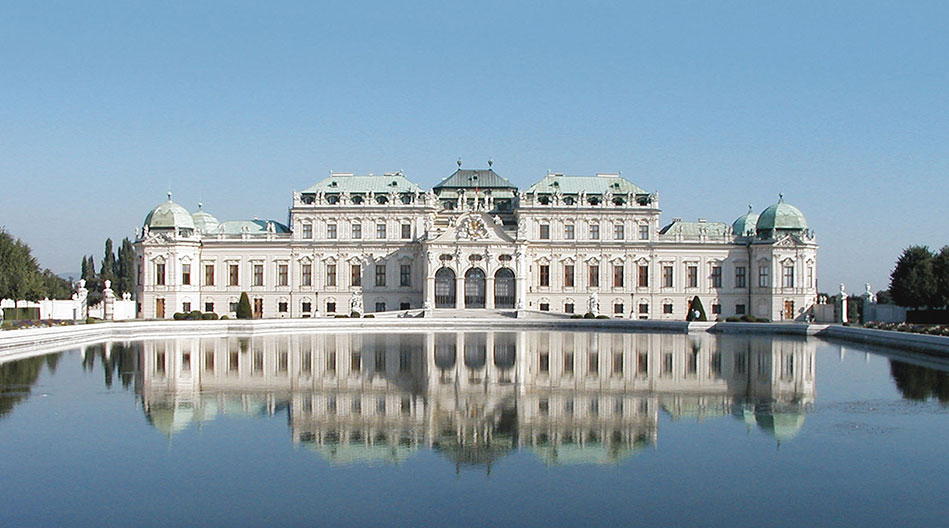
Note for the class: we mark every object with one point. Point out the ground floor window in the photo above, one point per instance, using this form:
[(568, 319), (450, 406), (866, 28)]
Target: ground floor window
[(739, 309), (380, 306), (282, 307), (186, 307), (331, 307), (545, 307), (568, 308), (618, 308), (667, 308), (307, 307), (716, 308), (209, 307), (405, 306), (232, 307), (643, 308)]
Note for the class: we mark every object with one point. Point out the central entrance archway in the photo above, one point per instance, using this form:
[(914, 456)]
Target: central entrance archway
[(504, 292), (445, 288), (474, 288)]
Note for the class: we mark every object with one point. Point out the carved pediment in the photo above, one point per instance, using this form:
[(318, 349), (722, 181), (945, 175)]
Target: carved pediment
[(474, 227)]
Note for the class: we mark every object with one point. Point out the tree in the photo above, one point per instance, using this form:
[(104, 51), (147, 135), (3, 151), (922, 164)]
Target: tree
[(696, 310), (243, 307), (20, 278), (940, 264), (125, 268), (884, 297), (108, 266), (912, 283)]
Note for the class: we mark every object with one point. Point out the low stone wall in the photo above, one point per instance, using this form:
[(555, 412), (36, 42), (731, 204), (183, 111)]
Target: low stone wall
[(15, 344)]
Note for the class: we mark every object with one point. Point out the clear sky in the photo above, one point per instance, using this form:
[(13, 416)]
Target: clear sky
[(842, 106)]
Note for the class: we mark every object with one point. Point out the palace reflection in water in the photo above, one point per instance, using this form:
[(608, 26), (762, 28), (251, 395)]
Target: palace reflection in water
[(569, 397)]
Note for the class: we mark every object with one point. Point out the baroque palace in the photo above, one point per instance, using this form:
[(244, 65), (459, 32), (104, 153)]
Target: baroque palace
[(568, 244)]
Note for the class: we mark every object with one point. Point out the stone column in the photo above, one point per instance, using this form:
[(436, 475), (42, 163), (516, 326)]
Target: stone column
[(489, 292), (108, 301), (459, 290), (520, 280)]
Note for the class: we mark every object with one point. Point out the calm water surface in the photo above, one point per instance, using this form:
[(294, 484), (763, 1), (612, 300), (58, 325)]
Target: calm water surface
[(472, 429)]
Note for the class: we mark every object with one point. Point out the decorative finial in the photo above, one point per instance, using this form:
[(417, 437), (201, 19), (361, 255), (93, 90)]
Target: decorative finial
[(459, 162), (490, 162), (200, 205), (169, 196), (750, 209), (780, 197)]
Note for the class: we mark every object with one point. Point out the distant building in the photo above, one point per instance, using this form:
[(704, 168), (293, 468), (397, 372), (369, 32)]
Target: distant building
[(569, 244)]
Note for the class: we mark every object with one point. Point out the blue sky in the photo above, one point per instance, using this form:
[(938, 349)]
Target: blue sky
[(841, 106)]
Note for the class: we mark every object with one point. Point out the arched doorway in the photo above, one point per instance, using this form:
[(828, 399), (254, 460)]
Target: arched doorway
[(474, 288), (504, 292), (445, 288)]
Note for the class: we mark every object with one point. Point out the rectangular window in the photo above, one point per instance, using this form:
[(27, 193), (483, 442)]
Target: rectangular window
[(258, 274), (568, 308), (306, 274), (330, 307), (692, 276), (209, 307), (644, 308), (138, 274), (667, 308), (380, 274), (716, 277), (716, 309), (568, 232), (232, 307), (545, 307), (544, 275), (357, 230), (185, 307), (545, 231), (307, 231), (619, 232), (594, 276), (306, 307), (594, 231), (810, 276), (405, 275), (741, 277), (160, 274), (356, 274), (644, 232), (186, 274), (643, 275), (405, 306), (568, 275), (209, 274), (617, 275), (282, 275), (380, 306), (330, 230), (764, 276), (380, 231), (282, 307), (787, 278), (355, 362), (667, 278), (618, 309), (258, 308), (233, 275), (739, 309), (331, 274), (406, 231)]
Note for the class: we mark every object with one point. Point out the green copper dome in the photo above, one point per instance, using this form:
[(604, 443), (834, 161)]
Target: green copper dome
[(780, 217), (169, 215), (746, 224), (204, 222)]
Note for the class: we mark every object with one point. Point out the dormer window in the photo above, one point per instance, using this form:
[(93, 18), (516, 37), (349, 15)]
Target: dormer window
[(357, 200), (333, 184)]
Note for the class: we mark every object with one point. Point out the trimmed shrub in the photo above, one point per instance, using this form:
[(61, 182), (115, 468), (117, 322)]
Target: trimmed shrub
[(576, 316), (224, 317), (209, 316), (602, 317), (243, 307), (369, 316), (354, 315), (748, 318), (194, 315), (732, 319), (340, 316), (696, 310), (179, 316), (589, 315)]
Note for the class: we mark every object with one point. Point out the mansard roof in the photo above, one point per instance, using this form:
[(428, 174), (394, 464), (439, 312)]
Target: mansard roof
[(251, 227), (475, 178), (598, 184), (694, 229), (347, 182)]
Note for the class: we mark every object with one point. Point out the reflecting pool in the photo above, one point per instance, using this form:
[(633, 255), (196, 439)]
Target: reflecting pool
[(474, 428)]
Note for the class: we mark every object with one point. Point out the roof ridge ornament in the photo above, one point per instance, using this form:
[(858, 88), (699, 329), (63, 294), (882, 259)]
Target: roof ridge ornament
[(169, 195), (490, 162), (459, 162), (780, 197)]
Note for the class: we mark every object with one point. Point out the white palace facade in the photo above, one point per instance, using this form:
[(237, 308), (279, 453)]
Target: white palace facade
[(568, 244)]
